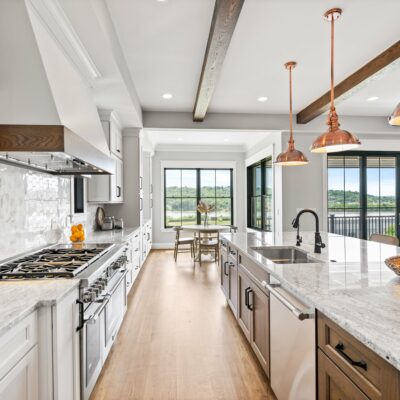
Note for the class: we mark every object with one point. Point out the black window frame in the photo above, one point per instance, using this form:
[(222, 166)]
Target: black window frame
[(250, 193), (198, 192), (363, 155)]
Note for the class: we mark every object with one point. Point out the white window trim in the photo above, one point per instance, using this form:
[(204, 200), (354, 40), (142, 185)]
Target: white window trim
[(196, 164)]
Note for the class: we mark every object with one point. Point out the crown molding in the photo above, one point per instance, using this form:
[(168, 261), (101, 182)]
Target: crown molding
[(56, 22)]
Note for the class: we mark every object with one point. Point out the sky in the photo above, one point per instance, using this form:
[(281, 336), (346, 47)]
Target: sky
[(387, 180)]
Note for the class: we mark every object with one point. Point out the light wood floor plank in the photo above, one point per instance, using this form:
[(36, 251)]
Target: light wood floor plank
[(180, 341)]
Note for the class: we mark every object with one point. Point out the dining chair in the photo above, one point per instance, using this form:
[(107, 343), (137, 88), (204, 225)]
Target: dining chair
[(386, 239), (182, 241), (208, 242)]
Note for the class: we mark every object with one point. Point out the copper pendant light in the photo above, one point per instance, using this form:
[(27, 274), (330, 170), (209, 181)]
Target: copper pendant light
[(291, 157), (334, 139), (395, 117)]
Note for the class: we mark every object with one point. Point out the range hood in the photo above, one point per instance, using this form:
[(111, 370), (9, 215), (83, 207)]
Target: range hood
[(53, 149), (48, 118)]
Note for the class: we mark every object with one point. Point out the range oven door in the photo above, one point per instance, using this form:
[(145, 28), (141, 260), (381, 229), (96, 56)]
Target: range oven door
[(114, 311), (92, 339)]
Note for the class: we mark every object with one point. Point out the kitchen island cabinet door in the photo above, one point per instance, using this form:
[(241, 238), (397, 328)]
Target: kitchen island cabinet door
[(244, 312), (333, 384), (21, 383), (259, 339)]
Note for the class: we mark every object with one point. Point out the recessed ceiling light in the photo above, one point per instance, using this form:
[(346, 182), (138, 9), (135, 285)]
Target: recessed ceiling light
[(161, 1), (372, 98), (262, 99), (167, 96)]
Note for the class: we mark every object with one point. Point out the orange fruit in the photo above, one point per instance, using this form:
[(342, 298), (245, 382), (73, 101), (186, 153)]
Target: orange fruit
[(80, 227), (73, 228)]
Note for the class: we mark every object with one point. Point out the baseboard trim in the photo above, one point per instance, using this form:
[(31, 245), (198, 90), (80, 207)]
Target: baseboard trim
[(162, 246)]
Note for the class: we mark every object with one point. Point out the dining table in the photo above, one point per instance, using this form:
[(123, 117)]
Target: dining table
[(201, 228)]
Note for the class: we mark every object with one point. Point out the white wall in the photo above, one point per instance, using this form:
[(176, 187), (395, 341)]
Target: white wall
[(164, 238)]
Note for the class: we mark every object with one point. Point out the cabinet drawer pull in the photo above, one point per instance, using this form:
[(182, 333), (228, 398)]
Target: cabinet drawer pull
[(250, 306), (225, 273), (231, 264), (361, 364), (246, 297)]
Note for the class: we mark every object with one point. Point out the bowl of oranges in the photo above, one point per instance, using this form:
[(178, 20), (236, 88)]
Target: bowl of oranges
[(77, 233)]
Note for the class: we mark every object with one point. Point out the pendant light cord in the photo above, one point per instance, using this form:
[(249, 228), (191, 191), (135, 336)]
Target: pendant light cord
[(291, 141), (332, 61)]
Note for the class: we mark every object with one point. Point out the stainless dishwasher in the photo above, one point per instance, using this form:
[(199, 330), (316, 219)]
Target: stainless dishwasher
[(293, 357)]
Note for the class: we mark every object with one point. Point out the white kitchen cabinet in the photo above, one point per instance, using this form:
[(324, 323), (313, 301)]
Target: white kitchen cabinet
[(112, 131), (107, 188), (147, 185), (19, 361), (21, 382)]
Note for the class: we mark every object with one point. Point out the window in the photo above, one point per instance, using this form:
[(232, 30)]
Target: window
[(79, 195), (184, 188), (362, 194), (260, 195)]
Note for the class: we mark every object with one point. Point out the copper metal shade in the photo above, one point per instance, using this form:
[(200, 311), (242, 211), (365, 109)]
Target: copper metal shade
[(291, 157), (334, 139), (395, 117)]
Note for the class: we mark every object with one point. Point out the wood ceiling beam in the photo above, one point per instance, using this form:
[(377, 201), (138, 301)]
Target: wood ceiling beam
[(351, 84), (225, 17)]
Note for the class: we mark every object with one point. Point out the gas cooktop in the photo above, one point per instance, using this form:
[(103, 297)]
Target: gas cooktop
[(60, 261)]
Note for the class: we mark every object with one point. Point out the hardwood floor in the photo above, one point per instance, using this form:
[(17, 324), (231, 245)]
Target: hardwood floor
[(180, 340)]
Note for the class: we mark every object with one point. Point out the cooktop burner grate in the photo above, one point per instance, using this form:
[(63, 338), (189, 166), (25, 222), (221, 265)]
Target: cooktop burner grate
[(57, 262)]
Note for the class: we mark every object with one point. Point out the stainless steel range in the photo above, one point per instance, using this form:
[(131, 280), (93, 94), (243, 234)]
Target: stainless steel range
[(101, 270)]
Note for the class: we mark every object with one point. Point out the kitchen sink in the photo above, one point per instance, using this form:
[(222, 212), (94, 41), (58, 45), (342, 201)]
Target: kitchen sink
[(285, 255)]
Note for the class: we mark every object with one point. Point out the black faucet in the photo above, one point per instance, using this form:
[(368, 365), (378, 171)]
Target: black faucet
[(318, 245)]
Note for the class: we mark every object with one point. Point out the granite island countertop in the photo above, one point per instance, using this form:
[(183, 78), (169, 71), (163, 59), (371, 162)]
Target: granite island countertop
[(19, 298), (351, 284)]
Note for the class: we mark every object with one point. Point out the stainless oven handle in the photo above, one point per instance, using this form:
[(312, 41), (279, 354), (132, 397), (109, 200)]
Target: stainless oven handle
[(95, 316), (124, 272), (300, 314)]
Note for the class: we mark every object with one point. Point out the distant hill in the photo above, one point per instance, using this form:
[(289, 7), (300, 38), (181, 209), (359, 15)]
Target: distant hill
[(336, 199)]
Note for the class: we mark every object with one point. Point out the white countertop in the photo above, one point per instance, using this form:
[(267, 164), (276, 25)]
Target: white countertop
[(19, 298), (352, 285), (112, 236)]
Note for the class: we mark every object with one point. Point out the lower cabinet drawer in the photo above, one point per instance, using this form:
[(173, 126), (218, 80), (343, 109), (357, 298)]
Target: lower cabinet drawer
[(258, 274), (372, 374), (17, 342), (333, 384)]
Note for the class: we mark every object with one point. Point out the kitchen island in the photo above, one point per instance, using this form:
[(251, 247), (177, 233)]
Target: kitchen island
[(348, 288), (352, 285)]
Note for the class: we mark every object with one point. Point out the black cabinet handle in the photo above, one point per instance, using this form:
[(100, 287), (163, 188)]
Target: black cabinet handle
[(118, 191), (246, 296), (81, 319), (232, 265), (340, 349), (226, 262), (249, 306)]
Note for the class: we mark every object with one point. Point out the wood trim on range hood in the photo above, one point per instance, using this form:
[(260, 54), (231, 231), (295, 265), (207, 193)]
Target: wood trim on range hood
[(53, 149)]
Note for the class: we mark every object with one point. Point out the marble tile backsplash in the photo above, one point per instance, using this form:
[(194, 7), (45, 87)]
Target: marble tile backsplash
[(35, 210)]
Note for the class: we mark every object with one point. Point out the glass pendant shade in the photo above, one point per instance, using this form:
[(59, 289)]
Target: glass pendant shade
[(291, 157), (334, 139), (395, 117)]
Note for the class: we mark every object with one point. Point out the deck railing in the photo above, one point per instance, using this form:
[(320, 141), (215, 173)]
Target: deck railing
[(351, 225)]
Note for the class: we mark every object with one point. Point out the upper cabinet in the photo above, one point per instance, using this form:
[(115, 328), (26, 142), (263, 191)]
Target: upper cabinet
[(109, 188)]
